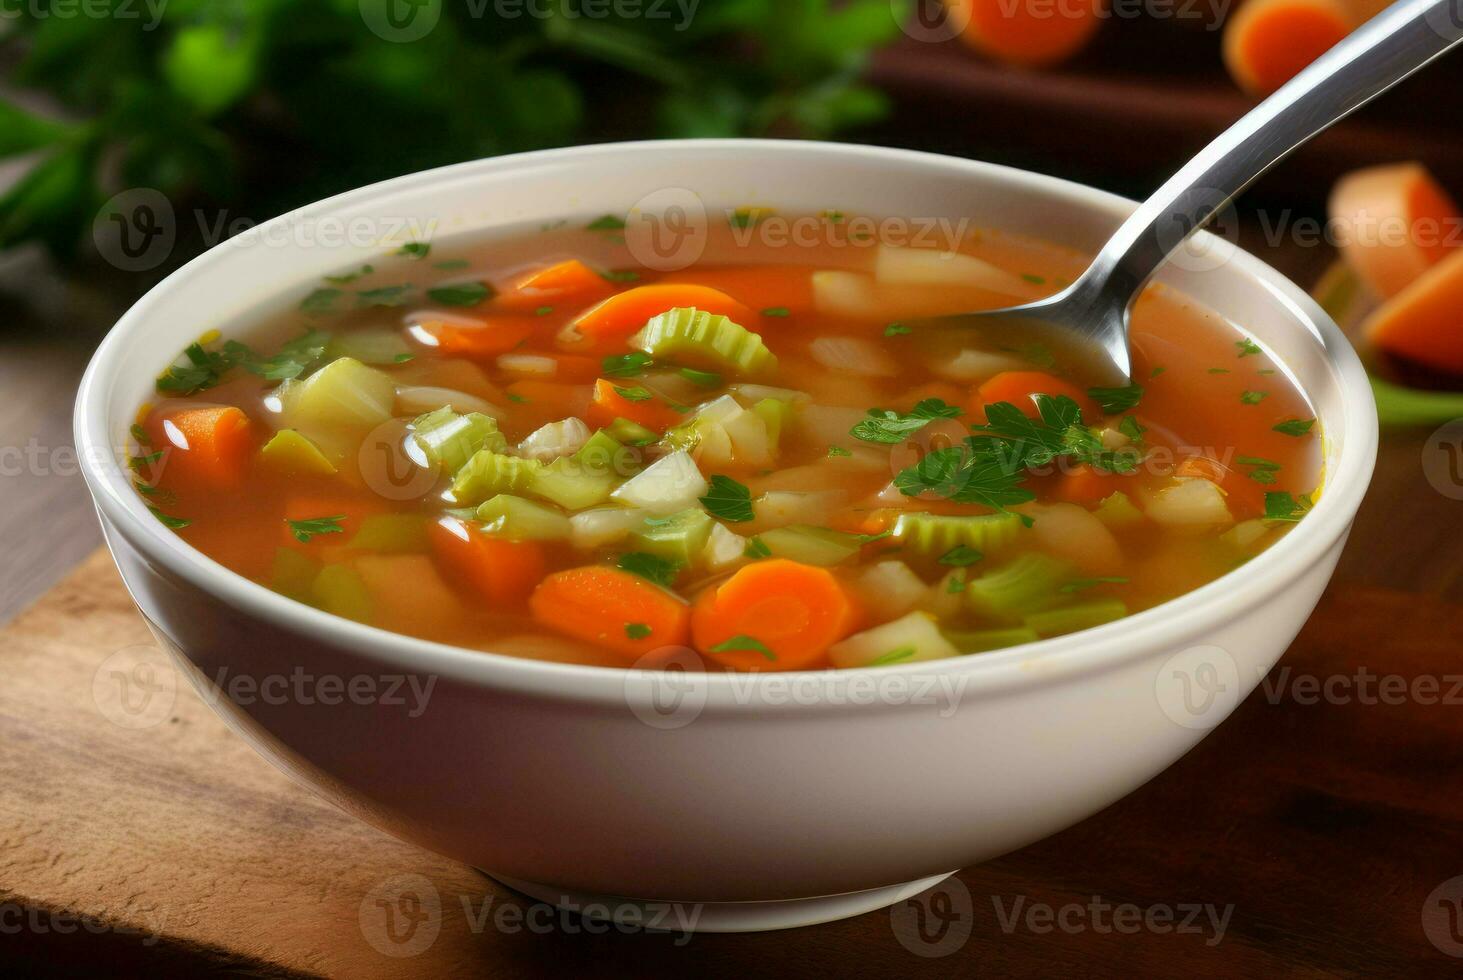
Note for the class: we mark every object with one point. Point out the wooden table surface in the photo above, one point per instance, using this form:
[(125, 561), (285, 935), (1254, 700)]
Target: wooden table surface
[(1304, 838)]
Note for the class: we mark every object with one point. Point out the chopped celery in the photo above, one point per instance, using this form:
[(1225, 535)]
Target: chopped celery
[(603, 525), (669, 484), (293, 453), (933, 535), (1117, 511), (603, 453), (344, 394), (488, 473), (979, 641), (706, 339), (775, 414), (1027, 584), (1070, 619), (631, 433), (556, 439), (338, 589), (376, 346), (571, 485), (681, 537), (913, 638), (450, 440), (523, 520), (722, 433), (810, 545), (293, 573), (392, 534)]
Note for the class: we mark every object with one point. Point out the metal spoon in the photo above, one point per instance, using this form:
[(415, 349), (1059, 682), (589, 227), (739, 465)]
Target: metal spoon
[(1092, 313)]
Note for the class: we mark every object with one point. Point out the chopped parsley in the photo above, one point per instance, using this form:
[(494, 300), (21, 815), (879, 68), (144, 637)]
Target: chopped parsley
[(292, 360), (955, 585), (728, 500), (344, 278), (320, 301), (384, 295), (706, 379), (893, 656), (744, 217), (974, 473), (1253, 397), (1262, 470), (637, 631), (137, 463), (635, 394), (1247, 347), (608, 223), (757, 548), (1156, 372), (310, 527), (777, 311), (415, 250), (1058, 431), (889, 427), (516, 398), (871, 538), (176, 523), (1034, 279), (1294, 427), (543, 311), (203, 369), (1281, 506), (450, 264), (1081, 584), (653, 568), (625, 365), (1132, 428), (838, 451), (896, 330), (743, 642), (140, 434), (620, 275), (961, 556), (461, 294), (1219, 370), (1116, 400)]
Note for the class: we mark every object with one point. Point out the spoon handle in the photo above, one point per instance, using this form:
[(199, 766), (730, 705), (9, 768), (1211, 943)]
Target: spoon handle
[(1379, 54)]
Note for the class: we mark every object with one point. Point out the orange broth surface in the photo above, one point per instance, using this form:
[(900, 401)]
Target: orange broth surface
[(299, 461)]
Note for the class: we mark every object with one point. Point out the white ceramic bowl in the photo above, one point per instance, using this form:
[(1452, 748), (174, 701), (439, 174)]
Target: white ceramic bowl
[(774, 799)]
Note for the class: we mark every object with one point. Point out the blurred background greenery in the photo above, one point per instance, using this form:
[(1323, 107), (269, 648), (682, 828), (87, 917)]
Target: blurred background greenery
[(269, 104)]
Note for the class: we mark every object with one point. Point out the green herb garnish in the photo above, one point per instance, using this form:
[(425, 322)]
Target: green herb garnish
[(1253, 397), (896, 330), (449, 264), (1219, 370), (293, 359), (744, 642), (310, 527), (637, 631), (608, 223), (706, 379), (1033, 279), (384, 295), (1115, 400), (1281, 506), (893, 656), (341, 280), (1132, 428), (140, 434), (838, 451), (635, 394), (543, 311), (728, 500), (653, 568), (1058, 431), (757, 548), (1294, 427), (777, 311), (1247, 347), (890, 427), (961, 556), (625, 365), (176, 523), (620, 275), (320, 301), (461, 294), (955, 585), (415, 250)]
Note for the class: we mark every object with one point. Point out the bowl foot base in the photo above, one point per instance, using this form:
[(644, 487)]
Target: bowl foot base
[(721, 916)]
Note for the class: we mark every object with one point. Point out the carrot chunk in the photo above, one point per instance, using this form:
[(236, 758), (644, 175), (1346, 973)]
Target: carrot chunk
[(613, 608), (759, 287), (609, 324), (1029, 33), (1084, 484), (1268, 42), (570, 281), (1020, 387), (1422, 323), (500, 571), (488, 337), (772, 615), (609, 404), (206, 447), (1398, 223)]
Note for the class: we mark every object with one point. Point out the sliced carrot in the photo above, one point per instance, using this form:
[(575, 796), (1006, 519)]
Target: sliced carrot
[(350, 510), (794, 611), (609, 404), (609, 324), (500, 571), (1268, 42), (570, 281), (759, 287), (408, 594), (576, 369), (612, 608), (546, 401), (1423, 323), (205, 447), (1397, 223), (1083, 484), (1029, 33), (1020, 387), (496, 335)]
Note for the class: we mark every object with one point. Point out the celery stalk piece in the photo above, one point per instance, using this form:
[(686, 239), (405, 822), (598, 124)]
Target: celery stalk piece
[(669, 484), (704, 339), (810, 545), (290, 452), (604, 525), (523, 520), (1070, 619), (933, 535), (776, 414), (631, 433), (338, 403), (911, 639), (571, 485), (488, 473), (1029, 583), (392, 534), (680, 537), (603, 454), (1118, 511), (338, 589), (449, 440), (979, 641)]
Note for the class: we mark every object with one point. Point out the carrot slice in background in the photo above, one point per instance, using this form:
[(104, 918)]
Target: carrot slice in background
[(1028, 33), (606, 327), (1087, 485), (758, 287), (1424, 322), (1398, 223), (1268, 42), (570, 281), (497, 335), (608, 404), (612, 608), (500, 571), (202, 447), (312, 506), (1019, 387), (534, 403), (796, 611)]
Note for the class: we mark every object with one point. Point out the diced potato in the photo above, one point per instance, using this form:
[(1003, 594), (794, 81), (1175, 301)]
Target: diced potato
[(781, 508), (421, 399), (1075, 534), (976, 366), (927, 267), (889, 589), (911, 639), (290, 452), (853, 355), (1192, 502)]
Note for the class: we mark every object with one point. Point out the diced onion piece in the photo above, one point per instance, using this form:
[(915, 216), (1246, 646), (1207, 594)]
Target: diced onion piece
[(889, 589), (421, 399), (563, 438), (853, 355), (845, 294), (669, 484), (604, 525), (755, 393), (927, 267), (823, 425), (528, 365), (724, 548), (1246, 536), (1192, 502), (975, 366), (909, 640), (1113, 438), (1075, 534), (780, 508)]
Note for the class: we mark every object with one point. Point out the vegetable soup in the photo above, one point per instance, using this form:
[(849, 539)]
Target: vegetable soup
[(534, 445)]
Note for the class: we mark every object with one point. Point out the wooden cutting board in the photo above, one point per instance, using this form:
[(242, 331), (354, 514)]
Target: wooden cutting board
[(1300, 838)]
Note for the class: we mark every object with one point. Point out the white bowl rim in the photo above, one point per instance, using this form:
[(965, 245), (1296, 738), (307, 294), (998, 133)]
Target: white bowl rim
[(1028, 665)]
